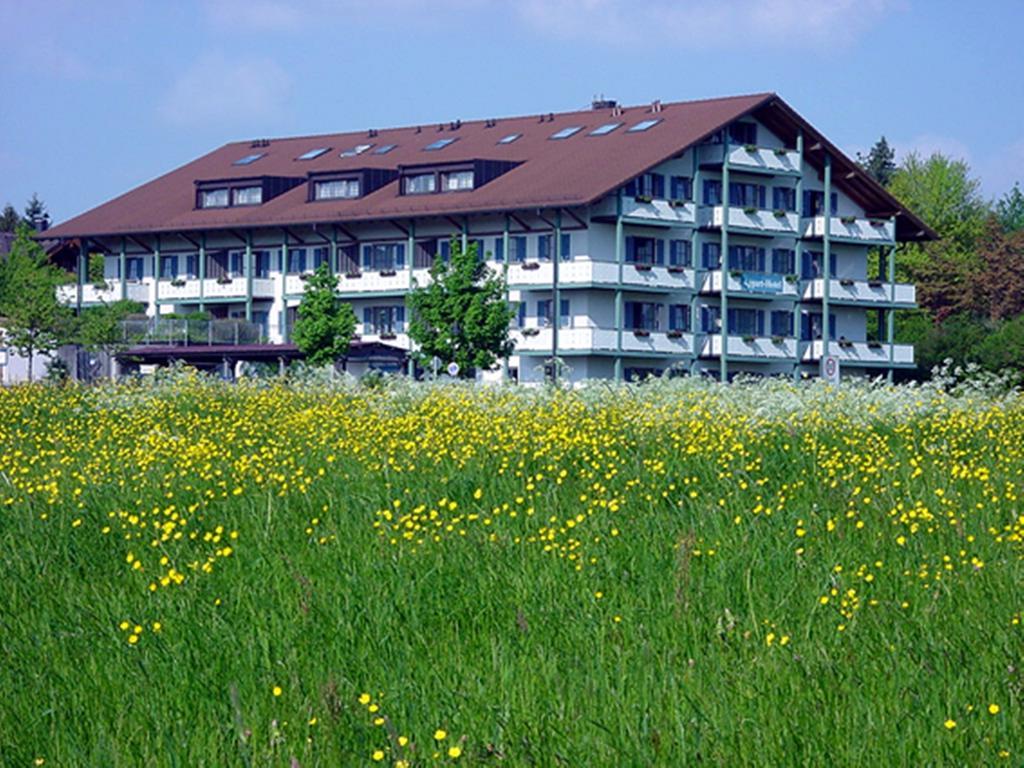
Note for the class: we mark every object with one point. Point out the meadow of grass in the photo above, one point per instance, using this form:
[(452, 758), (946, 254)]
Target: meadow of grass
[(199, 574)]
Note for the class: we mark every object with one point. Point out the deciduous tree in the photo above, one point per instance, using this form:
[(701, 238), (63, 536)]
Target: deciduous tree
[(325, 325)]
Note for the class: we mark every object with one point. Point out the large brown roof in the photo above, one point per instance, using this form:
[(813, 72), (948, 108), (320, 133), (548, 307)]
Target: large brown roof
[(551, 173)]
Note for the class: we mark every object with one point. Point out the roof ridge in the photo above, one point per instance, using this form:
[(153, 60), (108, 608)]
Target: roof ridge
[(473, 121)]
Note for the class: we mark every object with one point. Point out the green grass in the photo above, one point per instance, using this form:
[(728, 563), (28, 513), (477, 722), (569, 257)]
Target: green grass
[(708, 645)]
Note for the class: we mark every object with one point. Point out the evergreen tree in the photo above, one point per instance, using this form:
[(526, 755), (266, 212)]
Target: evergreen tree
[(326, 325), (461, 316), (9, 219), (33, 320), (35, 212), (880, 162)]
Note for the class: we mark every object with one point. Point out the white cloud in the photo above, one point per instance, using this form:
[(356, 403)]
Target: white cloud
[(227, 91), (706, 23)]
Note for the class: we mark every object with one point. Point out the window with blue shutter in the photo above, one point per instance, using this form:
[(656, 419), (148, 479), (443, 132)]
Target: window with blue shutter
[(711, 255), (544, 313), (321, 256), (367, 320), (565, 248), (134, 267), (192, 265), (400, 319), (630, 188), (745, 322), (565, 318), (743, 133), (814, 202), (679, 254), (630, 249), (544, 247), (660, 252), (400, 256), (367, 257), (783, 261), (782, 323), (681, 188), (812, 262), (522, 314), (518, 245), (657, 185), (810, 326), (499, 249), (746, 195), (712, 192), (444, 250), (783, 199), (709, 319), (679, 317)]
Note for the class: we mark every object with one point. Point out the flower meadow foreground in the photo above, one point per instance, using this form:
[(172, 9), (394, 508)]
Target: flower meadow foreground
[(303, 574)]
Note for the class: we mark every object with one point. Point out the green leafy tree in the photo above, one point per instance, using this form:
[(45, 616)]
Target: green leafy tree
[(461, 316), (326, 325), (100, 328), (9, 219), (34, 321), (880, 162), (95, 269), (1010, 210)]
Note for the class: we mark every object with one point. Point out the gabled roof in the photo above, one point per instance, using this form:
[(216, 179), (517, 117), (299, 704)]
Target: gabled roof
[(574, 171)]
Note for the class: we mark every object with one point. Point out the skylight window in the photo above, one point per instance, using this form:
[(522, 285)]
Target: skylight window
[(436, 145), (358, 149), (565, 133), (249, 159), (605, 129), (313, 153), (643, 125), (510, 138), (384, 149)]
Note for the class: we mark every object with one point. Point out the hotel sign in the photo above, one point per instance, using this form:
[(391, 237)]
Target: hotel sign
[(759, 282)]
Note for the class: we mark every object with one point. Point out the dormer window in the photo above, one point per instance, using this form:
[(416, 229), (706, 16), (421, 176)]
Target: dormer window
[(338, 189), (420, 184), (247, 196), (213, 198), (455, 181)]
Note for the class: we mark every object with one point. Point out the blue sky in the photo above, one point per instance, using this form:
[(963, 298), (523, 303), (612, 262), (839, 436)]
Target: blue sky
[(98, 98)]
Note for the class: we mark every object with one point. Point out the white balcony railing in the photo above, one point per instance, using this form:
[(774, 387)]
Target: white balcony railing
[(654, 211), (850, 229), (603, 340), (753, 347), (861, 291), (754, 284), (753, 159), (861, 352), (752, 221), (178, 288), (586, 272), (106, 292)]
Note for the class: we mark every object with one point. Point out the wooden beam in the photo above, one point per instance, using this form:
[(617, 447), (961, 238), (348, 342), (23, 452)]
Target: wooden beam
[(141, 244), (185, 237), (293, 236), (579, 221), (526, 227)]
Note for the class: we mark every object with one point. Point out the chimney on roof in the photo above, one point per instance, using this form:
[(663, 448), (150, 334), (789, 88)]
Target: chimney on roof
[(656, 105), (372, 133), (600, 102), (456, 124)]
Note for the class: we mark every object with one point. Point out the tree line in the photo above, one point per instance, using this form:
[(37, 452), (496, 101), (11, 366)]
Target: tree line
[(970, 282)]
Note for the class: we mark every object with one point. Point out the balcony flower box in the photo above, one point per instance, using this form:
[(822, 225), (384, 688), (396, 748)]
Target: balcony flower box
[(530, 331), (641, 333), (531, 265), (737, 273), (101, 286), (674, 334), (781, 151), (751, 148), (877, 222), (678, 203), (643, 267), (778, 339), (780, 213), (353, 275), (874, 345), (749, 339), (305, 276), (845, 343), (224, 280), (846, 282), (178, 282), (848, 219), (875, 283), (388, 273), (791, 279), (643, 198), (387, 335), (750, 210), (675, 269)]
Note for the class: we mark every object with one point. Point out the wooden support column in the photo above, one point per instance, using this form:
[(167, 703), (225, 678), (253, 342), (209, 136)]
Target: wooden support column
[(202, 271), (282, 323), (122, 269), (827, 259), (620, 255), (556, 295), (248, 276), (798, 252), (723, 361)]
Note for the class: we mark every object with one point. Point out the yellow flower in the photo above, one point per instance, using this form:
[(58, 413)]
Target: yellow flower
[(133, 639), (454, 752), (440, 735), (993, 709), (950, 724), (277, 690), (401, 764), (157, 626), (378, 755), (403, 740), (124, 626), (364, 699)]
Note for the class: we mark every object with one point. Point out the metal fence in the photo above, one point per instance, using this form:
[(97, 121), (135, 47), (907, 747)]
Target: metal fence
[(190, 332)]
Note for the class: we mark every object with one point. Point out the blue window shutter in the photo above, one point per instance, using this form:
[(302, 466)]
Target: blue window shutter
[(660, 258), (630, 187), (367, 256), (831, 327), (564, 312), (400, 319), (760, 259), (630, 248), (835, 203), (760, 197), (832, 264), (522, 314), (499, 249), (400, 256), (731, 318), (760, 323), (566, 246), (366, 319), (658, 185), (444, 249)]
